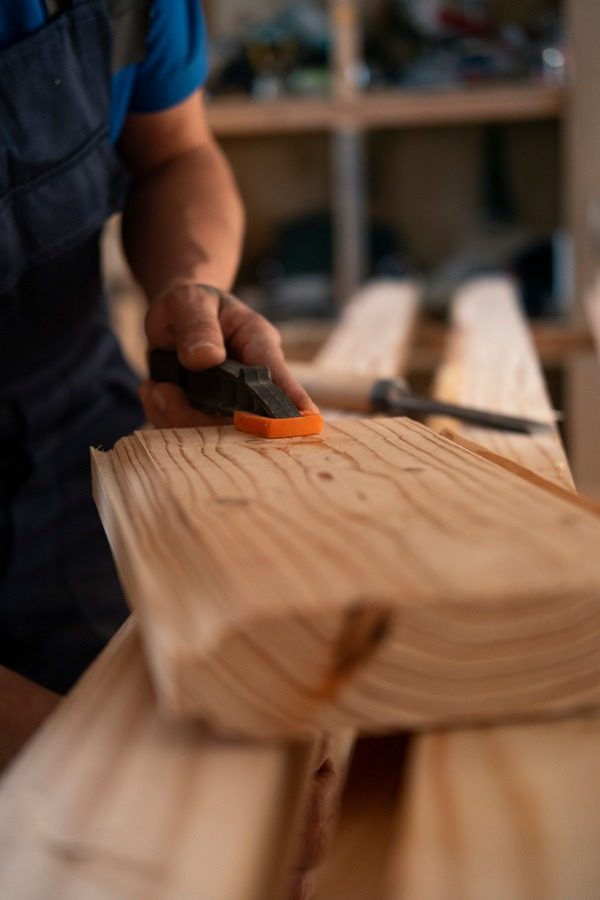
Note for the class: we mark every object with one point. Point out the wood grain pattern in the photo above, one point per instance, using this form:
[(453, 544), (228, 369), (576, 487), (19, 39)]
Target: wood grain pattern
[(508, 813), (491, 363), (110, 802), (552, 487), (504, 813), (374, 577)]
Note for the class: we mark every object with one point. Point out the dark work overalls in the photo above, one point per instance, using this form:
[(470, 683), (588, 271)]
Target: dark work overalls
[(63, 383)]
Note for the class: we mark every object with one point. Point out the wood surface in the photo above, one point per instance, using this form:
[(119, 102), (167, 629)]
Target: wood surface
[(376, 576), (509, 813), (491, 363), (110, 802), (502, 813), (374, 333)]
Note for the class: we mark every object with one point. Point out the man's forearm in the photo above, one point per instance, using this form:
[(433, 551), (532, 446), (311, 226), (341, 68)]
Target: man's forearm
[(183, 223), (23, 707)]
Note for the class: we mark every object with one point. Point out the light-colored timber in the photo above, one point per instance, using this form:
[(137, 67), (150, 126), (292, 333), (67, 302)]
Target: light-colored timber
[(375, 576), (375, 330), (502, 813), (491, 363), (108, 802), (579, 500)]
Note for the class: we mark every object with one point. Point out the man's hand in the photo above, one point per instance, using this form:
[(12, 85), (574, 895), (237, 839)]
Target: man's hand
[(205, 325)]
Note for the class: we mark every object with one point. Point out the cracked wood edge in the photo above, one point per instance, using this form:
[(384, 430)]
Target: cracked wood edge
[(110, 801), (513, 812)]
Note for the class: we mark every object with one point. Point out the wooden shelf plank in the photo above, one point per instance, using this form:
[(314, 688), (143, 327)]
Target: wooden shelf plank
[(393, 108)]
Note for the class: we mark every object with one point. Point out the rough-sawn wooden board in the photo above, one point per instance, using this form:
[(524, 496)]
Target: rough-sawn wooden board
[(376, 576)]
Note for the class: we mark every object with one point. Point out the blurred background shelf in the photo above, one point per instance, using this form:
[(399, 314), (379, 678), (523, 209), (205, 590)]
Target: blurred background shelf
[(392, 108)]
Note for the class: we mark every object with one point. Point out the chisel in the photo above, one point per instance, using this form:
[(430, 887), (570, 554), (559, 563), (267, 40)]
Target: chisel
[(365, 394)]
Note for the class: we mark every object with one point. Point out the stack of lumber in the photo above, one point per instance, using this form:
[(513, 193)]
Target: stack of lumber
[(377, 577)]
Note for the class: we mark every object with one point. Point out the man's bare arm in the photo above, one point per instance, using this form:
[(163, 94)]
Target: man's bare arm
[(23, 707), (183, 222), (182, 230)]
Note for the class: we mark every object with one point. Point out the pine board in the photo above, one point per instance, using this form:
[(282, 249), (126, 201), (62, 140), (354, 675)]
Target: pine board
[(509, 813), (374, 333), (110, 802), (376, 576), (491, 363)]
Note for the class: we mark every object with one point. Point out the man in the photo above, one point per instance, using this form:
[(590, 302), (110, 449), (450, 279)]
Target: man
[(90, 90)]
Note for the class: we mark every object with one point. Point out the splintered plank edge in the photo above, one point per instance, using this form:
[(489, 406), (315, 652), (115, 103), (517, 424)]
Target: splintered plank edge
[(376, 576)]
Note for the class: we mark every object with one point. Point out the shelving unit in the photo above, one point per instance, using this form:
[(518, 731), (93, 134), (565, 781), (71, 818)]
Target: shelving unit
[(350, 115)]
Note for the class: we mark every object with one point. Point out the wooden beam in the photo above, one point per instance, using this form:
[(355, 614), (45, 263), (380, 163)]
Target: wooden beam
[(491, 363), (509, 812), (109, 801), (375, 331), (317, 601)]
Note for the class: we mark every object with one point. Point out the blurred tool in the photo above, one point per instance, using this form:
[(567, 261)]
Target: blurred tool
[(362, 393)]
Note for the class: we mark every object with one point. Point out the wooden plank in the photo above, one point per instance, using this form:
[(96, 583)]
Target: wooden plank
[(375, 330), (501, 814), (491, 363), (109, 802), (318, 602), (578, 500), (508, 813)]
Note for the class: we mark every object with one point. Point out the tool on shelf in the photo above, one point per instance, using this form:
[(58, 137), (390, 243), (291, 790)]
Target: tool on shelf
[(365, 394), (233, 389)]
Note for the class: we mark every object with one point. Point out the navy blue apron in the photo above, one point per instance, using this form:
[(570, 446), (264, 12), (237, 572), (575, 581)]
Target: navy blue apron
[(64, 385)]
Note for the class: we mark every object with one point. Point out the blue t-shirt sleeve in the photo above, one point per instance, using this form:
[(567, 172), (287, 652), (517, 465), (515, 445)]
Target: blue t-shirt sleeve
[(176, 62)]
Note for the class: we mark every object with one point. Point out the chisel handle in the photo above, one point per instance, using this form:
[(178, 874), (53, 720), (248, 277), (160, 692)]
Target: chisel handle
[(345, 391)]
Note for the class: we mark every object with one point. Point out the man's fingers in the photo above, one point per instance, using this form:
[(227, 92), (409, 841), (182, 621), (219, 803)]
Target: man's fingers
[(200, 323), (256, 342), (166, 406), (284, 379), (187, 319)]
